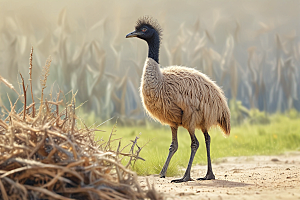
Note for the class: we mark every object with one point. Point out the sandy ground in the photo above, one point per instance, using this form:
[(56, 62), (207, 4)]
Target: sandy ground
[(255, 177)]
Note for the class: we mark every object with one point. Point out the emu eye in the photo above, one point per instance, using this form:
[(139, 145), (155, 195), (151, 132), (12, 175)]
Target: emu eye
[(144, 29)]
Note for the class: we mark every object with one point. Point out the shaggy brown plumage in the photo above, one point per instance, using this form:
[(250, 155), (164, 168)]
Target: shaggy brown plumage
[(180, 96)]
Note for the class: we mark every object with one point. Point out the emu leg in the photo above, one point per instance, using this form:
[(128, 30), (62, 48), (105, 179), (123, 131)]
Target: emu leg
[(209, 175), (194, 147), (173, 148)]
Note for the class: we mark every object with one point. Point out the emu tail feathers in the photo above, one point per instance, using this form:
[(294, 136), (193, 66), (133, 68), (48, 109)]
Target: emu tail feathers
[(224, 122)]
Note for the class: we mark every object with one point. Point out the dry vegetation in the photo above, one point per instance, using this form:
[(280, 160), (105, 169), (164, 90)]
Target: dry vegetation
[(44, 154), (252, 51)]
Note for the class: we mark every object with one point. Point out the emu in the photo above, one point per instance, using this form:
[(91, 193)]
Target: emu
[(179, 96)]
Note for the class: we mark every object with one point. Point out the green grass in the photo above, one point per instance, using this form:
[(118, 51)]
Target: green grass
[(281, 135)]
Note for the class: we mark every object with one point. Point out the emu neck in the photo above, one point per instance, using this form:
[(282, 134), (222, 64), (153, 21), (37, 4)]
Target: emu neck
[(153, 44), (152, 76)]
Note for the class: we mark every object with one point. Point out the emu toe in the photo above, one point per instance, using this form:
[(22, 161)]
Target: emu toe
[(162, 176), (208, 177), (184, 179)]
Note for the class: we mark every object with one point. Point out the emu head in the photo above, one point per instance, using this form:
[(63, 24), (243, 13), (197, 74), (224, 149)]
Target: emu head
[(146, 28)]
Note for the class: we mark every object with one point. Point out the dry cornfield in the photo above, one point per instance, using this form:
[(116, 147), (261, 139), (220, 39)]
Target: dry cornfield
[(251, 49)]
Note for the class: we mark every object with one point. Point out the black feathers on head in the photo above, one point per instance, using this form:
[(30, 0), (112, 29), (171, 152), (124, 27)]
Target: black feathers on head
[(150, 21)]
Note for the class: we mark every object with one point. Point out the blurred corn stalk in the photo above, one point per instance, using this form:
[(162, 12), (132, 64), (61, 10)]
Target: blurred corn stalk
[(254, 61)]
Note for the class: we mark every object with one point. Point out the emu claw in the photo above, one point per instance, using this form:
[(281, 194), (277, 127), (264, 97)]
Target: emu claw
[(207, 177), (184, 179)]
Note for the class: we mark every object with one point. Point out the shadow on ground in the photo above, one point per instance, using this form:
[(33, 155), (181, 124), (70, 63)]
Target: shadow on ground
[(218, 183)]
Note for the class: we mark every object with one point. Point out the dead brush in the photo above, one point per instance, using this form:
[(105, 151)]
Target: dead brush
[(47, 156)]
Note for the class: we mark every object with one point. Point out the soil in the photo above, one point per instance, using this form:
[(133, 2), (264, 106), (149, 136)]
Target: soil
[(255, 177)]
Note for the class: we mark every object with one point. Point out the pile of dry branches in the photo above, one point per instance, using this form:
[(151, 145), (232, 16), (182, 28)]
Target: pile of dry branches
[(44, 155)]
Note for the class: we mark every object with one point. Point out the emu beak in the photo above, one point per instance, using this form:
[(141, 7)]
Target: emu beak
[(133, 34)]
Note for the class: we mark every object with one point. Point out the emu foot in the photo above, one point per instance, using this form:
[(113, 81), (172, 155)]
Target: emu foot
[(209, 176), (184, 179)]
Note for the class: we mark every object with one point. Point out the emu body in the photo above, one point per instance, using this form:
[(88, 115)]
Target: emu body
[(180, 96)]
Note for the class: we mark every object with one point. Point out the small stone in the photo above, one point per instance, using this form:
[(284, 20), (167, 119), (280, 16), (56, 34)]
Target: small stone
[(274, 160)]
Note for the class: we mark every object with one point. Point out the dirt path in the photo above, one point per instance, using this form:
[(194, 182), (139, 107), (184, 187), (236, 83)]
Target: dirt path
[(257, 177)]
